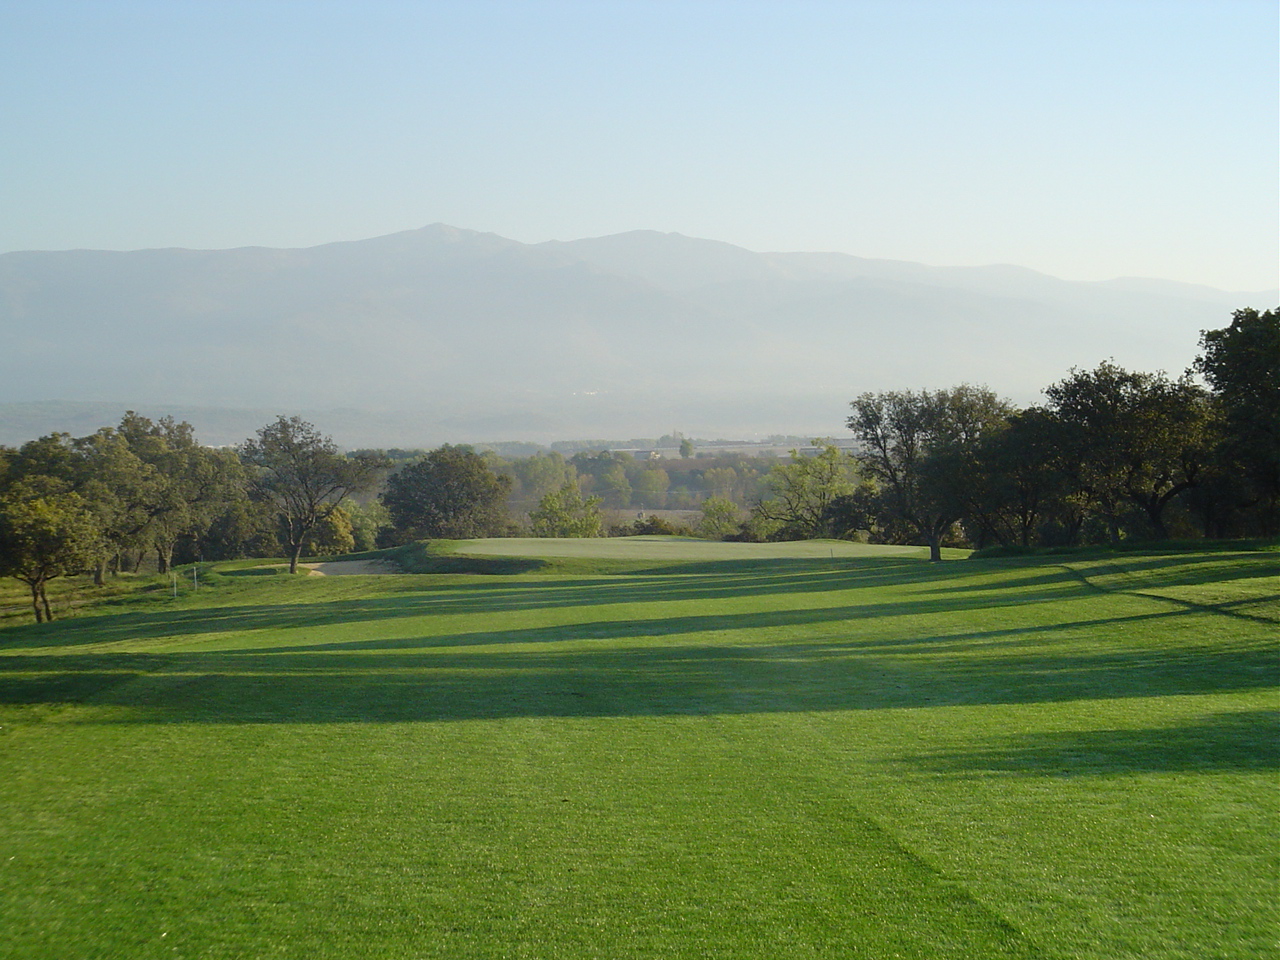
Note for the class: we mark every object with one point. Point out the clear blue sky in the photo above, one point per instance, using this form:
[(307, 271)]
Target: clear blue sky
[(1085, 139)]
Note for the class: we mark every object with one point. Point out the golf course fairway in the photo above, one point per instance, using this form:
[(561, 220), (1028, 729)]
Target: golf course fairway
[(653, 749)]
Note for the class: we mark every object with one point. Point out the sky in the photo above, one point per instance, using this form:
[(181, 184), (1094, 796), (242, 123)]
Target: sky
[(1088, 140)]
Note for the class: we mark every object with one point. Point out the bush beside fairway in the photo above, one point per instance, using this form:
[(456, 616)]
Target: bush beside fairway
[(858, 757)]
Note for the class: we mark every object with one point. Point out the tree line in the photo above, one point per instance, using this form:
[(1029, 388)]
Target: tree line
[(1110, 455), (106, 502), (622, 480)]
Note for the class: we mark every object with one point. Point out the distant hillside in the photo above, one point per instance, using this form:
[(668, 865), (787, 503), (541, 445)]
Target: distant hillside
[(442, 333)]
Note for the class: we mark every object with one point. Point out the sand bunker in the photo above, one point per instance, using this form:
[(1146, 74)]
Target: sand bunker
[(342, 568)]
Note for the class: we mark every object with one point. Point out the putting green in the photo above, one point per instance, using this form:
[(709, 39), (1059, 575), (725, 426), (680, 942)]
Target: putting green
[(684, 549)]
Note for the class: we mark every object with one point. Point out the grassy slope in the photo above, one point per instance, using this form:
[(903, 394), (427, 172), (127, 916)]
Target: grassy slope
[(858, 757)]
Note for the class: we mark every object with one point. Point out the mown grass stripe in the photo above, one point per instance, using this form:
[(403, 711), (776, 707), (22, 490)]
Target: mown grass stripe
[(966, 760)]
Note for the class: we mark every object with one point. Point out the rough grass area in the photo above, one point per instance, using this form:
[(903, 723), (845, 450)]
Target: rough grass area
[(859, 756)]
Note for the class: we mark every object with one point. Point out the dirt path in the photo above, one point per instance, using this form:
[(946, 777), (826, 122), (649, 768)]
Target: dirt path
[(342, 568)]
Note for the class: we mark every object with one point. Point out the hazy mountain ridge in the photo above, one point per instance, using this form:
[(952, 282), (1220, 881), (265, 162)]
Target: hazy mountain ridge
[(452, 334)]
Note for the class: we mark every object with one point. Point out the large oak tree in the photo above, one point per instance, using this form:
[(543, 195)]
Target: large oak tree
[(1242, 364), (302, 475), (450, 493), (1129, 439), (46, 531), (921, 448)]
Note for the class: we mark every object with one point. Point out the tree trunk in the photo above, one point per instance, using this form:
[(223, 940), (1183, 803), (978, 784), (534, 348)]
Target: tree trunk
[(100, 572), (1156, 515), (1113, 528), (1155, 505), (35, 600), (44, 597), (295, 551)]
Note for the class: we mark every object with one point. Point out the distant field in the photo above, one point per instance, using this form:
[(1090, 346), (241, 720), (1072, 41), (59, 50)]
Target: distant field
[(712, 757)]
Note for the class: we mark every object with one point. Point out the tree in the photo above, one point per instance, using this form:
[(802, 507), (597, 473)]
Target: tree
[(1130, 439), (919, 447), (649, 526), (540, 474), (247, 527), (332, 535), (686, 448), (367, 521), (1015, 486), (650, 487), (193, 484), (1241, 362), (720, 517), (803, 491), (616, 487), (148, 484), (450, 493), (566, 513), (722, 482), (303, 476), (113, 483), (46, 531), (608, 473)]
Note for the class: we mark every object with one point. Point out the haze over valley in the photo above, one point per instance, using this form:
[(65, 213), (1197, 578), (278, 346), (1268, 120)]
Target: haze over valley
[(446, 334)]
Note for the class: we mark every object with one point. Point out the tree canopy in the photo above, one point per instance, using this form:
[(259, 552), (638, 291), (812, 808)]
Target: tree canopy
[(46, 530), (1241, 362), (1129, 439), (301, 474), (803, 490), (566, 513), (920, 449), (450, 493)]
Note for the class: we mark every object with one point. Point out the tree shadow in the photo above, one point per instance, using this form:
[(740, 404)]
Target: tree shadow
[(453, 678), (810, 658), (1147, 573), (486, 596), (1154, 573), (1244, 741)]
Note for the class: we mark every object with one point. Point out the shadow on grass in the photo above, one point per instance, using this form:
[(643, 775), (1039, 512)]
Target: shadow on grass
[(1144, 573), (1244, 741), (436, 679), (642, 662), (272, 571), (485, 566), (408, 599)]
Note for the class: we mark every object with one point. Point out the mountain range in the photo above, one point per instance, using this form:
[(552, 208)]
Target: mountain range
[(449, 334)]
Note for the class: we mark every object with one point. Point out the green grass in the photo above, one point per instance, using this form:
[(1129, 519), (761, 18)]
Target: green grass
[(680, 549), (618, 555), (666, 753)]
